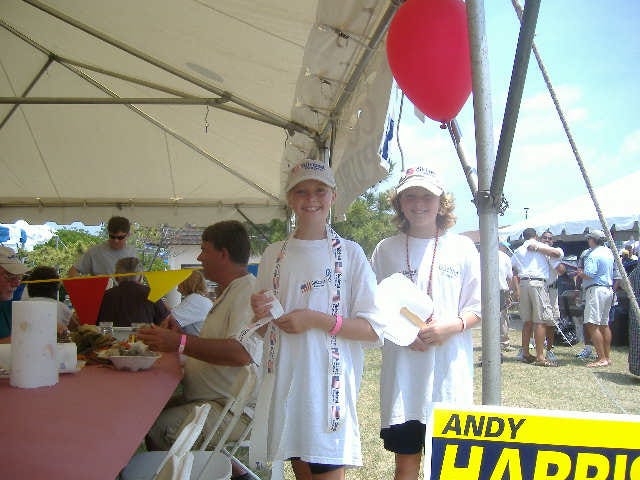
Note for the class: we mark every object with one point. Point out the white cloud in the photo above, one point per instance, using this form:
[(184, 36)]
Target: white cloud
[(631, 144)]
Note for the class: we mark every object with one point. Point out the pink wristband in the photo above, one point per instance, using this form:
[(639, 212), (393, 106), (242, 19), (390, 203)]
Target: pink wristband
[(183, 343), (338, 325)]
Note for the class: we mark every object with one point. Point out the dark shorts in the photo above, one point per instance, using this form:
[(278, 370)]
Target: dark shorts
[(320, 468), (405, 439)]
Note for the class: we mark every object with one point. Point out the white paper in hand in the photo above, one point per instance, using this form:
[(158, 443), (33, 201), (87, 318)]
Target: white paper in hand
[(394, 293)]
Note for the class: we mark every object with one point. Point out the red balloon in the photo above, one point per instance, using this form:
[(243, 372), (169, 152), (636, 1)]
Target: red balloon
[(428, 52)]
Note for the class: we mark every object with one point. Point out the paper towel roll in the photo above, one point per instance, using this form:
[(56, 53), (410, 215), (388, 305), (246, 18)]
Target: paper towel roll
[(33, 344)]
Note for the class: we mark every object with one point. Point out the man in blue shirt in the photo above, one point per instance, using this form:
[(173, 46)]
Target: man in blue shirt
[(597, 282), (11, 271)]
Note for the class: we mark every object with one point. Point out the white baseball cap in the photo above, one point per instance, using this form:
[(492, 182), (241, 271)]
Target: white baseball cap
[(10, 262), (310, 170), (421, 177)]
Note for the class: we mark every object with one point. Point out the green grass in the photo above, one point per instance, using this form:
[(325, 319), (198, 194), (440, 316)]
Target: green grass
[(570, 387)]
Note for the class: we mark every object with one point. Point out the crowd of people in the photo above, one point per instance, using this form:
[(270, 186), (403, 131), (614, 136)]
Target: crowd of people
[(536, 276), (309, 356)]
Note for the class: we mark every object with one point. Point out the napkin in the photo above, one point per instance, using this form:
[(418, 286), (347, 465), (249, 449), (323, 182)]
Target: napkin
[(395, 296)]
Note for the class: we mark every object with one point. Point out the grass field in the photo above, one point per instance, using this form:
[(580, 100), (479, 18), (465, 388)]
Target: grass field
[(570, 386)]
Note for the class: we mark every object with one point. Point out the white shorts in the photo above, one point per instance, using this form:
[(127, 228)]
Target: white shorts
[(597, 303)]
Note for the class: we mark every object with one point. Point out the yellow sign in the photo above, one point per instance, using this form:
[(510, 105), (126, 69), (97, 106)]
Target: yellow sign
[(499, 443)]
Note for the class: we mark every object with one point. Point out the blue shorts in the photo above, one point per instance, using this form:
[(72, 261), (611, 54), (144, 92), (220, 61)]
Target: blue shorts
[(406, 438)]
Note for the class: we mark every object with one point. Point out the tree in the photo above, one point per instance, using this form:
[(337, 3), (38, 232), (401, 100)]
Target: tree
[(61, 250), (368, 220)]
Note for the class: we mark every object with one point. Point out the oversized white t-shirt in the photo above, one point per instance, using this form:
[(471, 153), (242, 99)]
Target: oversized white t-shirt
[(231, 313), (409, 379), (297, 413)]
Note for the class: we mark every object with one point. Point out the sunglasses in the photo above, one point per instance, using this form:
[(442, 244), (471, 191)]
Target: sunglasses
[(546, 238), (117, 237)]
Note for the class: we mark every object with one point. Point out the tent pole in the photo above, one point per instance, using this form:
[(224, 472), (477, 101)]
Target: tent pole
[(376, 37), (28, 89), (488, 218), (514, 98), (283, 122), (469, 172), (177, 136)]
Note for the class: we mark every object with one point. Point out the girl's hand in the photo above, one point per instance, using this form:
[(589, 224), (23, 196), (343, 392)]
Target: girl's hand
[(261, 304), (419, 345), (296, 321), (437, 330)]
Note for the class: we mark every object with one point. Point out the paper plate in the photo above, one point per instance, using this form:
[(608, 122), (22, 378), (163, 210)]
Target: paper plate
[(397, 294)]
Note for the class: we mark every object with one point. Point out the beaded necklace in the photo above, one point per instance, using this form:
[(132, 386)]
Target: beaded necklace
[(413, 273)]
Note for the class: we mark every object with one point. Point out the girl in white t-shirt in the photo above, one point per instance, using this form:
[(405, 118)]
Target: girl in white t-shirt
[(438, 365), (313, 356)]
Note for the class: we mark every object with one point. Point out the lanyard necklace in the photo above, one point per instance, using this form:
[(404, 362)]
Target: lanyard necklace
[(413, 273), (335, 401)]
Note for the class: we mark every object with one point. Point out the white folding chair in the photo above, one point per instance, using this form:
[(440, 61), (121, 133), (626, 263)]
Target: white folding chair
[(233, 411), (179, 462)]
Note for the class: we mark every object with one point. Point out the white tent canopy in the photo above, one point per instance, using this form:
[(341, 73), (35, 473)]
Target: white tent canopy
[(216, 100), (619, 202)]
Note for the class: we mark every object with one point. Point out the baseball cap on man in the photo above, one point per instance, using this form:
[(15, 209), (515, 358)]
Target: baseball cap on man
[(310, 170), (421, 177), (596, 235), (9, 261)]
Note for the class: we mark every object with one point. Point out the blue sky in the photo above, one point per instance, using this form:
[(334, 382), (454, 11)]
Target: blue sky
[(591, 51)]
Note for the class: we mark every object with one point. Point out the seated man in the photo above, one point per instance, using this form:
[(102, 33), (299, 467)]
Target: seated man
[(48, 292), (127, 302), (11, 272), (215, 356)]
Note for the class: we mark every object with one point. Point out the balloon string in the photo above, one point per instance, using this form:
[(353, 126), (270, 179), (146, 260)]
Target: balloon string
[(398, 132)]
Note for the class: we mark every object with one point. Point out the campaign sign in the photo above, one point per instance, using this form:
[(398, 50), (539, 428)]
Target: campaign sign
[(500, 443)]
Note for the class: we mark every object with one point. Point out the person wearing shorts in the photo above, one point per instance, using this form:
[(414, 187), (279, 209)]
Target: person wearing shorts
[(597, 282), (531, 263)]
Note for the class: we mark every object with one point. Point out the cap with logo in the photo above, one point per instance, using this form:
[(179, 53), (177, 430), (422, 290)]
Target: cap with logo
[(310, 170), (10, 262), (421, 177)]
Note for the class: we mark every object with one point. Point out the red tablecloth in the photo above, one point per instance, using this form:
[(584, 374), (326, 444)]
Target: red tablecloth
[(87, 426)]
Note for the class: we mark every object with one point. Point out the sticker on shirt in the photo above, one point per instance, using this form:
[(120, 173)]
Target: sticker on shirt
[(311, 285), (449, 270)]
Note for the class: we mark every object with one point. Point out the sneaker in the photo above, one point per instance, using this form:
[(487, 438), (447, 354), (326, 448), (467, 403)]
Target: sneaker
[(551, 356), (586, 352), (519, 356)]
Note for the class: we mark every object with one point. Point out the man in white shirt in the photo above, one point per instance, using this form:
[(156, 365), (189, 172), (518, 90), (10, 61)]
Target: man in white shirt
[(530, 262)]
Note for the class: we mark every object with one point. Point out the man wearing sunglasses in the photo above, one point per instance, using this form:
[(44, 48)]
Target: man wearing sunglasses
[(101, 259), (11, 272)]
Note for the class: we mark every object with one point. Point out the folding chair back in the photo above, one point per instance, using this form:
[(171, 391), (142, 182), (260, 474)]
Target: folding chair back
[(233, 410), (176, 463)]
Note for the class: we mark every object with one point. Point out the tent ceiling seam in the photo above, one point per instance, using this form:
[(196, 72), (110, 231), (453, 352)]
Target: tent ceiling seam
[(26, 90), (26, 121), (175, 135), (358, 70), (144, 115), (283, 122)]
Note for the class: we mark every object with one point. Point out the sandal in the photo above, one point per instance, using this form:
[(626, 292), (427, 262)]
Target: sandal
[(528, 358), (599, 363), (544, 363)]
